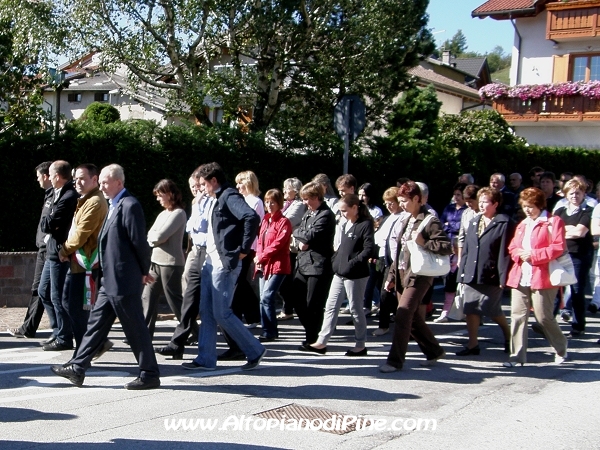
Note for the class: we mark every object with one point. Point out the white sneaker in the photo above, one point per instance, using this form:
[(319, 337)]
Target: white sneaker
[(381, 331), (442, 319), (250, 326), (345, 311), (561, 359)]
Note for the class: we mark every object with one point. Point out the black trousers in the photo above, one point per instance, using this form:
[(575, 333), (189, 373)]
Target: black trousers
[(310, 296), (35, 310), (188, 325), (128, 308)]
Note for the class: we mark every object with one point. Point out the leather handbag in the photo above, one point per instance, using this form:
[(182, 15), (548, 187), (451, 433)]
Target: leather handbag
[(561, 269), (423, 262)]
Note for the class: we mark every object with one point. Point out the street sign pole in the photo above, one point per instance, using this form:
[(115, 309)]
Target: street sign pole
[(348, 122)]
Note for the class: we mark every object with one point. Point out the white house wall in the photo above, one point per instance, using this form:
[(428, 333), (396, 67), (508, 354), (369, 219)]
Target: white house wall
[(537, 51), (560, 135), (451, 104)]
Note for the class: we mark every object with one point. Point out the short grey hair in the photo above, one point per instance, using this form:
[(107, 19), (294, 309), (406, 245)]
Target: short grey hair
[(498, 175), (468, 178), (293, 183), (424, 188), (115, 171)]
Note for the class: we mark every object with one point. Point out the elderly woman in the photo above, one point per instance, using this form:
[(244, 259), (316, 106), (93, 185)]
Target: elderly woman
[(577, 217), (293, 209), (386, 240), (538, 240), (351, 273), (484, 268), (272, 260), (166, 238), (451, 219), (408, 322), (313, 272)]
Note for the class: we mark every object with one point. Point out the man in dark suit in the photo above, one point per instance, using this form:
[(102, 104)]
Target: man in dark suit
[(509, 200), (124, 263)]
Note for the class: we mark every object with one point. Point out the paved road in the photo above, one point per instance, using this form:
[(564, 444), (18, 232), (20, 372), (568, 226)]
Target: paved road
[(474, 402)]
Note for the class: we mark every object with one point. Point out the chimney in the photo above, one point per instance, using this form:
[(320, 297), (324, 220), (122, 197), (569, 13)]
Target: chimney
[(446, 57)]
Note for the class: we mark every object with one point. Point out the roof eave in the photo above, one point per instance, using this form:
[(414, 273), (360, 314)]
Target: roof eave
[(506, 14)]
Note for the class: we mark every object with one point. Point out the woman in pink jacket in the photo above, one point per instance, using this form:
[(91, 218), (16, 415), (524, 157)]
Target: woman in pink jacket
[(538, 240), (272, 260)]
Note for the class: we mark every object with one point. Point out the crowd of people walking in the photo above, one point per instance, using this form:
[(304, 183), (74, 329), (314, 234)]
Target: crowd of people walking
[(310, 250)]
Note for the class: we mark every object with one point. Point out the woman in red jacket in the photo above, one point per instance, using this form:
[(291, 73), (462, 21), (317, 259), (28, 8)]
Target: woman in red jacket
[(272, 260), (538, 240)]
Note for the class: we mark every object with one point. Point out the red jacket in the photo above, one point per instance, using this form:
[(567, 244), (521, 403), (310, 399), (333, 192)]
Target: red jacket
[(544, 248), (273, 250)]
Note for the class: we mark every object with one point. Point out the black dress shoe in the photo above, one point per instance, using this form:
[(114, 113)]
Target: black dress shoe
[(103, 349), (69, 373), (56, 346), (362, 352), (138, 384), (469, 351), (266, 338), (231, 355), (51, 339), (311, 349), (174, 353), (593, 308)]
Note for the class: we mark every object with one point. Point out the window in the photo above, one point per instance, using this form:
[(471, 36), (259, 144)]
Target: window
[(100, 97), (586, 68), (74, 98)]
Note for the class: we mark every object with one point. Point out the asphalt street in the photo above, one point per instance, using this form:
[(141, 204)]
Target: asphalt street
[(470, 402)]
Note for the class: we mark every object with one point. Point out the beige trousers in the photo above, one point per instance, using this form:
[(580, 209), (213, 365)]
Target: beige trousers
[(542, 300)]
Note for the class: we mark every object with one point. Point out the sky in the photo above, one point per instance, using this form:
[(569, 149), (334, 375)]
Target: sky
[(446, 17)]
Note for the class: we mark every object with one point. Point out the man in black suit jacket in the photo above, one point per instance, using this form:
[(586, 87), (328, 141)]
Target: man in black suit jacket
[(124, 262)]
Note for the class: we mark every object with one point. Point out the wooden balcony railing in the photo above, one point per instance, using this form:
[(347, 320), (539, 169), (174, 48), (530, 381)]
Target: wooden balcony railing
[(573, 19), (551, 108)]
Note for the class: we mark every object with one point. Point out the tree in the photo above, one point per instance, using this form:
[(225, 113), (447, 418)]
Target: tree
[(101, 113), (457, 45), (20, 87), (497, 59), (298, 56), (412, 133)]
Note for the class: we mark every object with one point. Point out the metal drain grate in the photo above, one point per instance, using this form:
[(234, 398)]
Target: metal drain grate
[(299, 417)]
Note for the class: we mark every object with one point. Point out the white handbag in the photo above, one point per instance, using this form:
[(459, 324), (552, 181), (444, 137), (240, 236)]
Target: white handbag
[(561, 269), (423, 262)]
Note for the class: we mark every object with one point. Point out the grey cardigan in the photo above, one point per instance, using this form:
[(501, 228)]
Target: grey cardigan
[(166, 238)]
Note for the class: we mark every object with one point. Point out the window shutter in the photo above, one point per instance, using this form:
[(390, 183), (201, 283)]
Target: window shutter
[(560, 71)]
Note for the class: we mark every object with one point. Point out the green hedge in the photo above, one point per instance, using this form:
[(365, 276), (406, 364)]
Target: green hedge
[(149, 153)]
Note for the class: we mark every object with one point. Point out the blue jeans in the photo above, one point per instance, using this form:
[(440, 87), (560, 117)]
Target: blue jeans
[(268, 313), (45, 297), (216, 294), (54, 274)]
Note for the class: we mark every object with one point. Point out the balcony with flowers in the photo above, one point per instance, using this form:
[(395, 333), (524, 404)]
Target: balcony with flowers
[(569, 101)]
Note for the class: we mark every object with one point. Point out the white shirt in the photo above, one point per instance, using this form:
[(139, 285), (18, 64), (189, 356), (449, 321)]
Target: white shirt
[(526, 269)]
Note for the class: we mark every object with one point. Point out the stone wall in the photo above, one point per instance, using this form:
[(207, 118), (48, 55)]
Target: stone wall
[(16, 276)]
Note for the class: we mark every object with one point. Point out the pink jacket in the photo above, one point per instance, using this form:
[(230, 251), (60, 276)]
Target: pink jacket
[(544, 248), (273, 250)]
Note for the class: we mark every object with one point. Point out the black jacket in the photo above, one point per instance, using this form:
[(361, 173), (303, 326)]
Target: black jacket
[(235, 226), (351, 260), (48, 200), (317, 230), (485, 259), (58, 222)]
